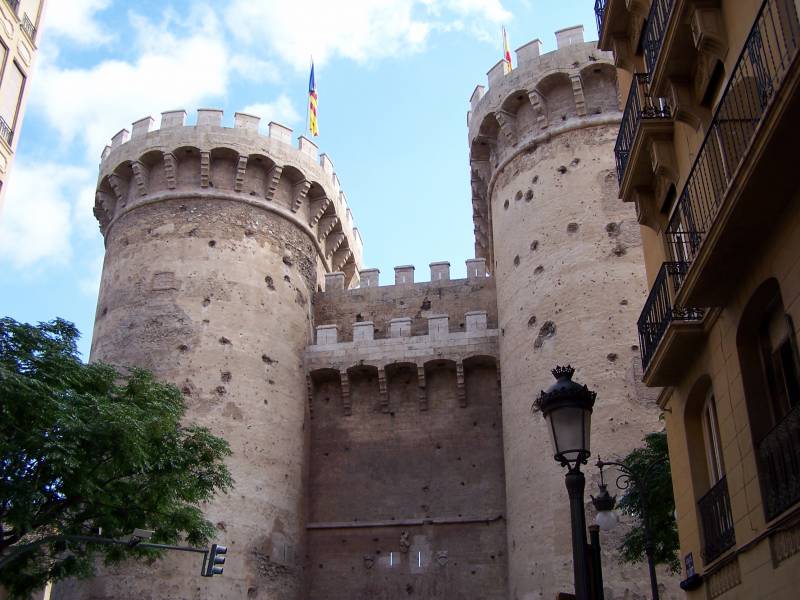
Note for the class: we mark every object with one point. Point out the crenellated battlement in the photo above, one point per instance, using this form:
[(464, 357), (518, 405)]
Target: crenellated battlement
[(547, 94), (148, 164), (474, 324), (404, 276)]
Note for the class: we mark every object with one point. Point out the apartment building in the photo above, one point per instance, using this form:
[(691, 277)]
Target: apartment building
[(19, 33), (706, 152)]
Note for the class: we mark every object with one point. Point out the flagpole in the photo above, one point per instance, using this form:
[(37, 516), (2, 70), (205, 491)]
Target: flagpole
[(308, 101)]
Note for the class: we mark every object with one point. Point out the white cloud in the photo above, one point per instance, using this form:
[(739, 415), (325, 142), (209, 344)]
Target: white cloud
[(254, 69), (74, 20), (358, 29), (361, 30), (38, 214), (281, 111), (171, 71)]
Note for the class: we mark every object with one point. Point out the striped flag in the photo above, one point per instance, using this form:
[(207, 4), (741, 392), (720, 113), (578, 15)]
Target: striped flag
[(506, 54), (312, 103)]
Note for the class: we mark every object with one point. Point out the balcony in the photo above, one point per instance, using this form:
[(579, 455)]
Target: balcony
[(716, 521), (710, 211), (640, 107), (14, 4), (599, 13), (779, 465), (6, 133), (667, 332), (657, 20), (28, 27)]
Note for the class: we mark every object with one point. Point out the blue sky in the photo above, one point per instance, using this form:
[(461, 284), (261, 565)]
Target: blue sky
[(394, 80)]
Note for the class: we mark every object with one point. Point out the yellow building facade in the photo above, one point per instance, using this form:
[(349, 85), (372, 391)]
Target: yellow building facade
[(19, 32), (706, 152)]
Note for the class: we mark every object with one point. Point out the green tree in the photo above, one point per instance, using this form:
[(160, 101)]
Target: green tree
[(85, 448), (651, 465)]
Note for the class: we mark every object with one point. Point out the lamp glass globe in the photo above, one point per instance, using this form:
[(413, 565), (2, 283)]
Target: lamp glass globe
[(606, 520)]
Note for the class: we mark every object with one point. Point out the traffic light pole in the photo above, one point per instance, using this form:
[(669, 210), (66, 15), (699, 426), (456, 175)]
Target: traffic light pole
[(110, 541)]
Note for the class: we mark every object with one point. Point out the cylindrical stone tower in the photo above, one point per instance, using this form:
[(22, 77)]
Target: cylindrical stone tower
[(566, 257), (216, 238)]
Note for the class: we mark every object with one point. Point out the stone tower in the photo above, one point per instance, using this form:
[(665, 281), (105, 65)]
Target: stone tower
[(216, 239), (566, 258)]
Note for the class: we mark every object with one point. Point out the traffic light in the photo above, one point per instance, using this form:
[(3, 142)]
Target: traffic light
[(215, 560)]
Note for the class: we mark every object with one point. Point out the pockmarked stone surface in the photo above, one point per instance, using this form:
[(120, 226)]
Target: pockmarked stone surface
[(382, 435)]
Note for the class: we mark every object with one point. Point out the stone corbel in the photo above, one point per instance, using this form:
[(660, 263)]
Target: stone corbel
[(461, 391), (318, 207), (349, 270), (621, 46), (299, 191), (347, 407), (646, 210), (422, 392), (683, 105), (577, 92), (662, 158), (140, 173), (273, 177), (326, 225), (333, 242), (539, 108), (117, 186), (340, 257), (205, 168), (708, 28), (384, 395), (103, 209), (170, 170), (241, 169), (711, 41), (508, 125)]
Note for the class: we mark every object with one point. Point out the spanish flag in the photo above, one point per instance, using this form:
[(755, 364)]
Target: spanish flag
[(312, 103), (506, 54)]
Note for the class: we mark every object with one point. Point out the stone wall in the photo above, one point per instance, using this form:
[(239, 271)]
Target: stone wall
[(406, 476), (566, 258), (216, 240)]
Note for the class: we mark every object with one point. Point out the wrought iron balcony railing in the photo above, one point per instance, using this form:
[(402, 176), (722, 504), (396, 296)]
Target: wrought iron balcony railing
[(779, 465), (599, 13), (716, 521), (640, 105), (654, 31), (659, 309), (758, 74), (14, 4), (6, 132), (28, 27)]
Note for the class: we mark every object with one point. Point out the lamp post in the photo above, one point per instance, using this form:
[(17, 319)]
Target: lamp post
[(605, 504), (567, 408)]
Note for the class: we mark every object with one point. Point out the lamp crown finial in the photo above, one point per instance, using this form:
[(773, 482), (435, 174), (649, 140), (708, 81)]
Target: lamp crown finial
[(560, 372)]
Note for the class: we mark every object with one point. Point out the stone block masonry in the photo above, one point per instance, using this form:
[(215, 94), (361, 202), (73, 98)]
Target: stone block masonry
[(216, 240), (565, 256), (382, 435)]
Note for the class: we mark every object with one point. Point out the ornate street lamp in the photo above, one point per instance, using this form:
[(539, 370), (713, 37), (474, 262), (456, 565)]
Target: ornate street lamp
[(567, 408), (605, 504)]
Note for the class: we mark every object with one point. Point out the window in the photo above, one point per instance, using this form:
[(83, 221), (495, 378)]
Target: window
[(767, 345), (779, 363), (11, 89), (711, 440)]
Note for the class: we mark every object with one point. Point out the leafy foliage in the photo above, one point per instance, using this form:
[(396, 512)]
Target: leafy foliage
[(655, 500), (85, 448)]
